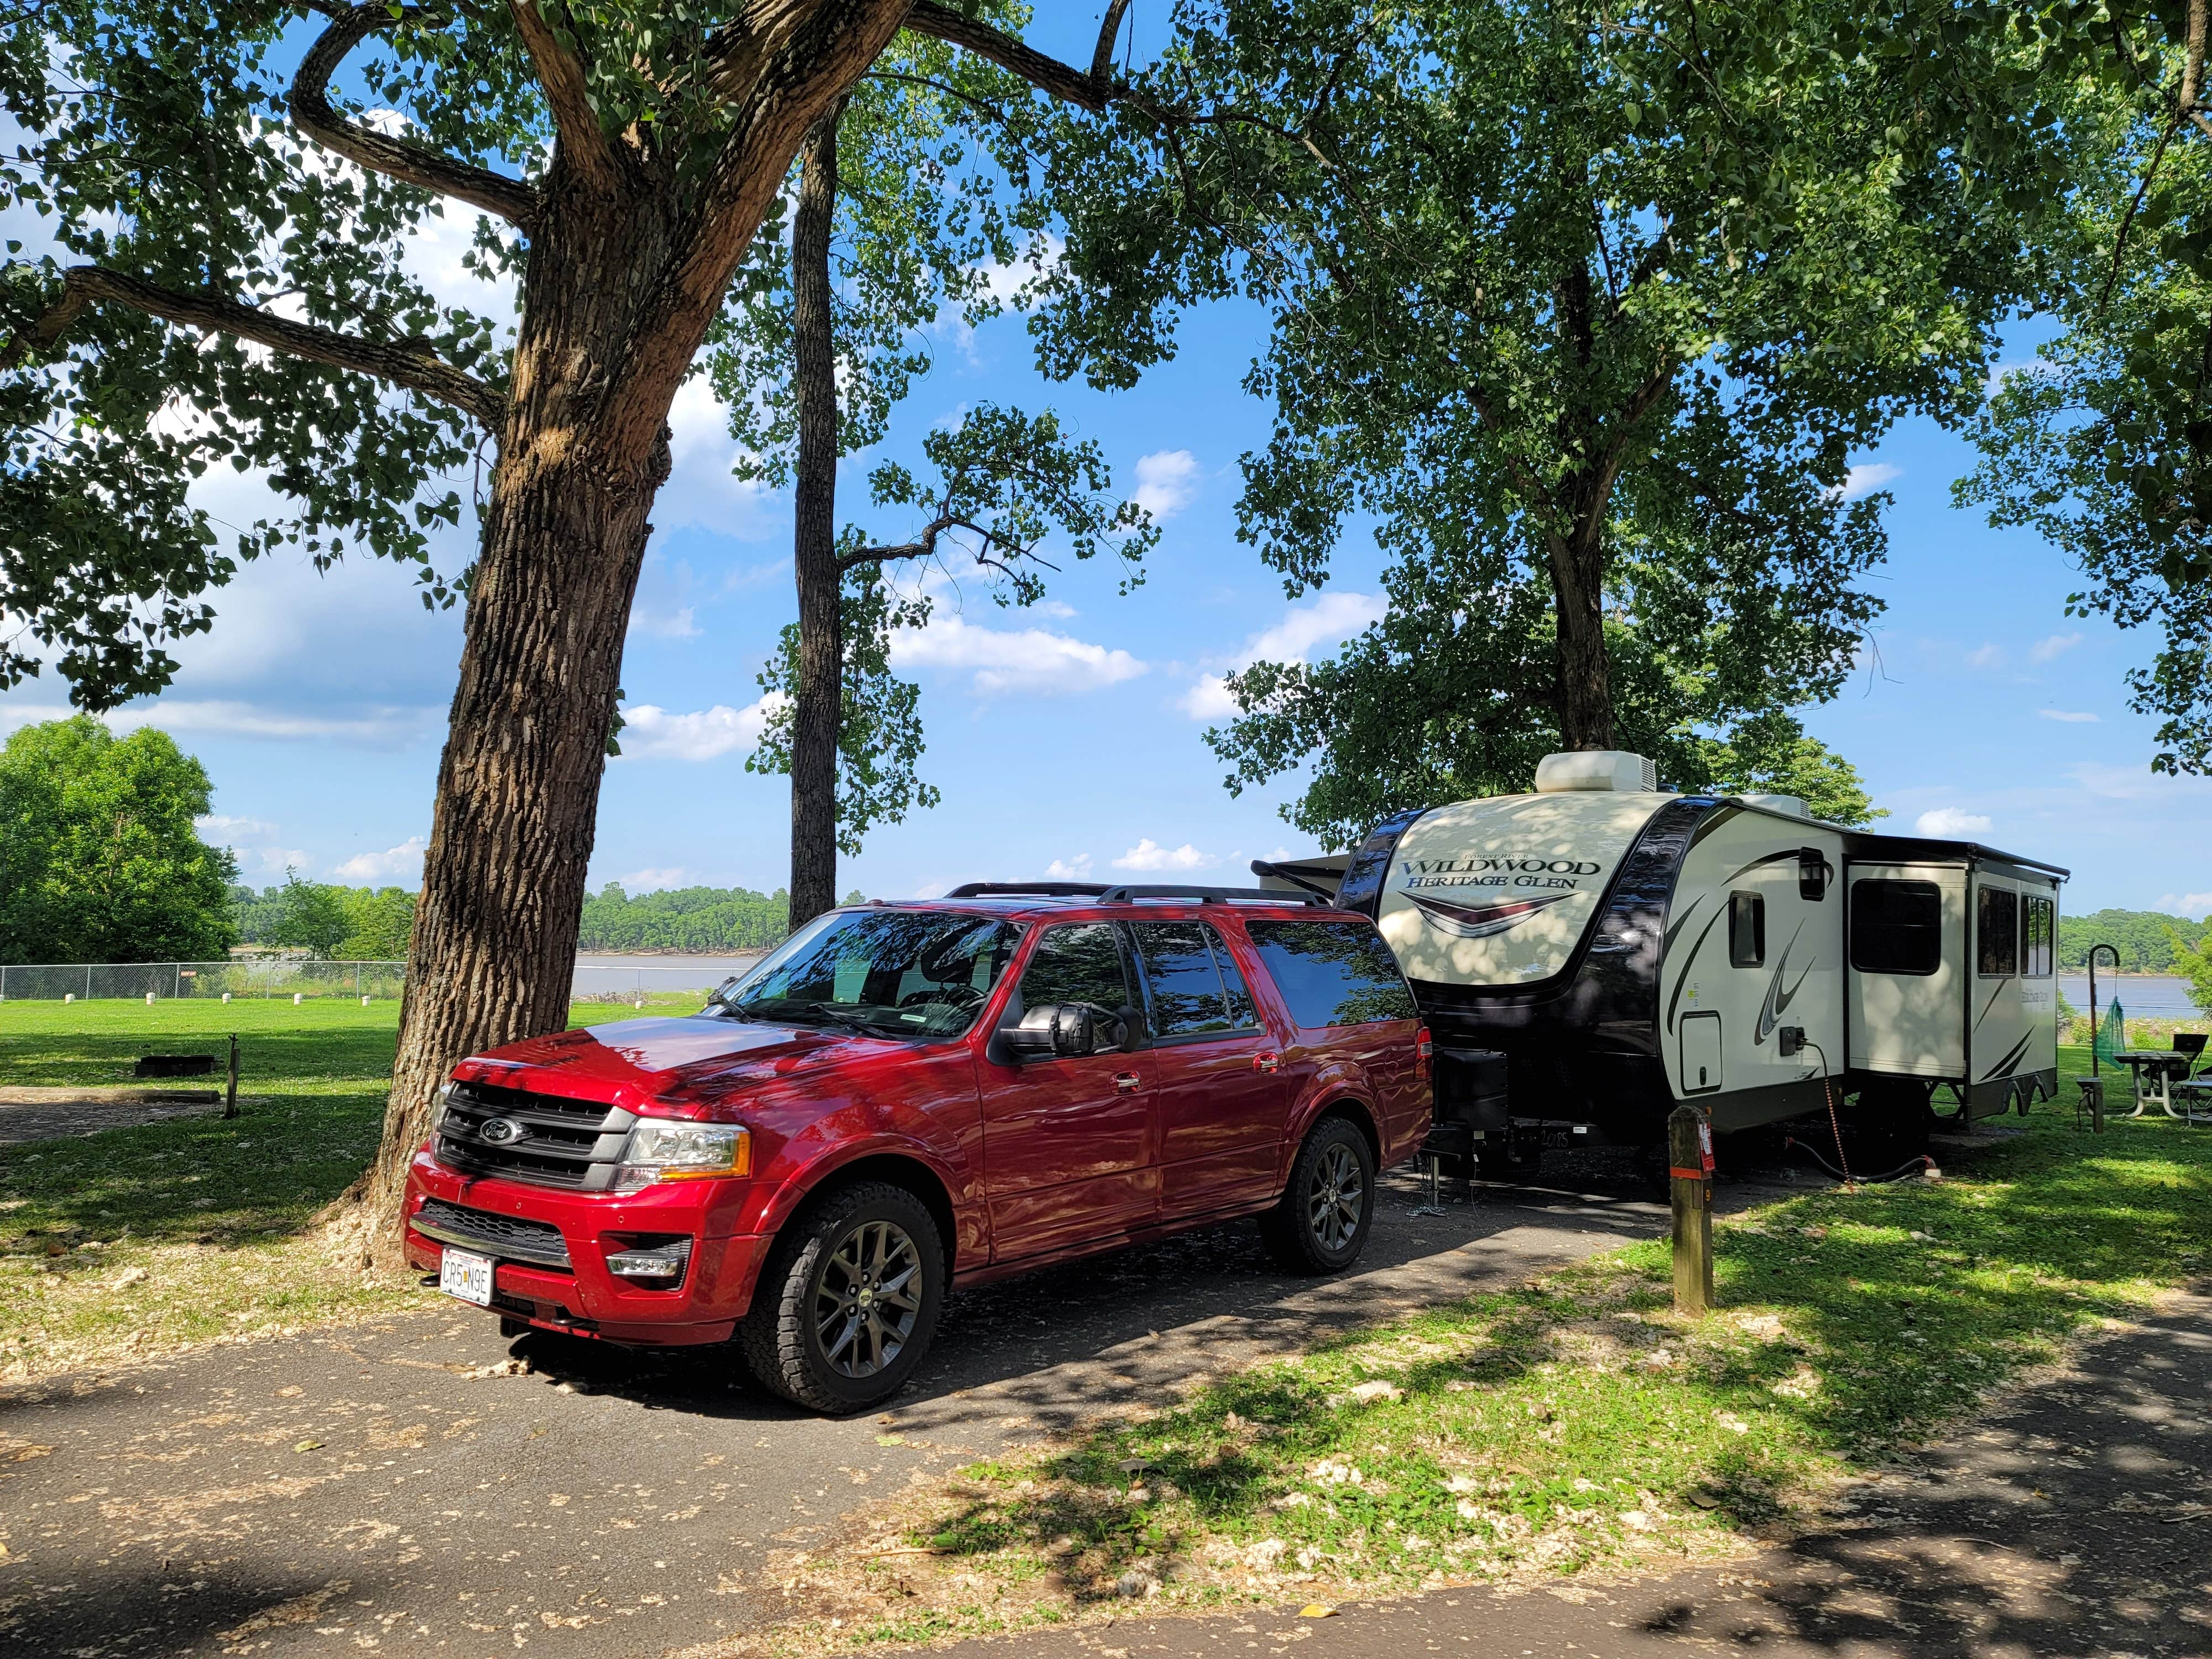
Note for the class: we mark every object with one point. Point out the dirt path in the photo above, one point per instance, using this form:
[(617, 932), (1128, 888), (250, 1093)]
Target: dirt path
[(2075, 1519), (42, 1114), (355, 1489)]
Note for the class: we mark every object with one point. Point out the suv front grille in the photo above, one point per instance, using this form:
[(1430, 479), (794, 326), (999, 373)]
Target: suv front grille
[(510, 1238), (547, 1141)]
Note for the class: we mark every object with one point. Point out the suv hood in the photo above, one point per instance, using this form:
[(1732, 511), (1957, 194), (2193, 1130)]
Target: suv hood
[(656, 1057)]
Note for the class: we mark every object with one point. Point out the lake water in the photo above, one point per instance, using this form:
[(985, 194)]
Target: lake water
[(597, 975), (2142, 996)]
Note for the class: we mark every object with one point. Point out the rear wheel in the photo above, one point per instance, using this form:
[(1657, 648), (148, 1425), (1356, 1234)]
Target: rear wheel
[(848, 1301), (1321, 1222)]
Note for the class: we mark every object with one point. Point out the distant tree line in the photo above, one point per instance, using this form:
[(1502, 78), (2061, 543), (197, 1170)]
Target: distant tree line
[(708, 921), (341, 924), (2145, 939)]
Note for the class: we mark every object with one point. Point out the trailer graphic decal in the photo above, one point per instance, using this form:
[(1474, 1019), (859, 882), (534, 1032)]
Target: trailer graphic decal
[(1777, 999), (1481, 920), (2012, 1059)]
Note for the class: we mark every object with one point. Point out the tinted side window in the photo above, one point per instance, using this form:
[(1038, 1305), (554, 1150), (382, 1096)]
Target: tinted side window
[(1077, 963), (1185, 982), (1897, 927), (1996, 932), (1747, 929), (1332, 973)]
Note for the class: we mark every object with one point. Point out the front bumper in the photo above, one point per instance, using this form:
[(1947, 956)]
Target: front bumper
[(586, 1299)]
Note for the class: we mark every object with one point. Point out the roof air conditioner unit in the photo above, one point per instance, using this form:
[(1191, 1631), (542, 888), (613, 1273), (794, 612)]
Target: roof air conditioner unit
[(1608, 770)]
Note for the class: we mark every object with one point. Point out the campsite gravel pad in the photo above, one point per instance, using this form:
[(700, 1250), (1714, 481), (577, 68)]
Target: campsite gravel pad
[(382, 1486), (2076, 1520)]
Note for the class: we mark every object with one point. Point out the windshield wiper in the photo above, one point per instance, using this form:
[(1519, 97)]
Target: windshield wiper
[(851, 1022)]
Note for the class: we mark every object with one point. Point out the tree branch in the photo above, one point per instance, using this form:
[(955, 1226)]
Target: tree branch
[(394, 158), (1093, 91), (403, 363), (583, 140)]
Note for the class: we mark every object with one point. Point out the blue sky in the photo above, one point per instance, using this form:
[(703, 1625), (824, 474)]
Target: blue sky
[(1069, 736)]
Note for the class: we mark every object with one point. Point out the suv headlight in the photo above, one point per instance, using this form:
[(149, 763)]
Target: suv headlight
[(662, 1149)]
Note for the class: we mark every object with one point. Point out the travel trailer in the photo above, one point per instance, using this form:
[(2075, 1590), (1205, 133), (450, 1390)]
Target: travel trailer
[(1593, 953)]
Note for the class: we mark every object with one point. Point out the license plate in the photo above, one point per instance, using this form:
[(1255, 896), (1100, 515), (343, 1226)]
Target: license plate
[(467, 1276)]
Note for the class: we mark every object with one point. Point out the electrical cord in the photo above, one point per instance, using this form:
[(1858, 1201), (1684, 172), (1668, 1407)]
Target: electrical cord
[(1916, 1163), (1835, 1127)]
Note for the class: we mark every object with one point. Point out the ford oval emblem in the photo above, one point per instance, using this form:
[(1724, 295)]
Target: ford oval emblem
[(498, 1131)]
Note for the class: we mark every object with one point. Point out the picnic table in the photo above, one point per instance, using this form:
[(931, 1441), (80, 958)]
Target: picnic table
[(2156, 1070)]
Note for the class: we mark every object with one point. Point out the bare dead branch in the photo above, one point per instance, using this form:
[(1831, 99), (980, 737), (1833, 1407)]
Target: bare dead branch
[(312, 113), (401, 363), (583, 140)]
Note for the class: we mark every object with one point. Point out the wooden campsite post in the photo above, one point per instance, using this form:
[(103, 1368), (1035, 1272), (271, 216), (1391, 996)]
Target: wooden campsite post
[(230, 1093), (1690, 1170)]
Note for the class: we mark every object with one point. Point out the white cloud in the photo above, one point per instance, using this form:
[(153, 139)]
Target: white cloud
[(1058, 609), (1075, 869), (1033, 660), (2057, 645), (2195, 906), (405, 861), (2072, 717), (1327, 620), (1865, 479), (1984, 656), (649, 881), (650, 732), (1950, 823), (1167, 480), (1149, 855), (218, 824)]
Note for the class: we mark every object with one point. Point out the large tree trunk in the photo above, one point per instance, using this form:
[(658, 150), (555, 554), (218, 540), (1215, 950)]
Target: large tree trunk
[(820, 692), (493, 955), (1585, 684)]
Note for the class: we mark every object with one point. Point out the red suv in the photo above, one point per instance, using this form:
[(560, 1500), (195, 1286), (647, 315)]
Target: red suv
[(905, 1097)]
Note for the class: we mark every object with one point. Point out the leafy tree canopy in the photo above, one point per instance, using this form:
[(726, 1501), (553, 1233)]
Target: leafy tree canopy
[(2104, 446), (1587, 312), (100, 860)]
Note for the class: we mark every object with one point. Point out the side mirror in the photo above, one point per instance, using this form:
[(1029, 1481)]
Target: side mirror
[(1064, 1030), (1813, 874)]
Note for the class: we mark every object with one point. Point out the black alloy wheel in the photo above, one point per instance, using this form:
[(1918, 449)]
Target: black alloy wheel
[(1321, 1224), (848, 1300)]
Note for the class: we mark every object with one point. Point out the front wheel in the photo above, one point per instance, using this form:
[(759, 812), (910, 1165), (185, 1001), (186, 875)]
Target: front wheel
[(848, 1301), (1321, 1222)]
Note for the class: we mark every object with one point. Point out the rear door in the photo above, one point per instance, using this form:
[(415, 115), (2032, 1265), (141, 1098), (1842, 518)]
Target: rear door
[(1070, 1145), (1222, 1100), (1351, 1012), (1907, 936)]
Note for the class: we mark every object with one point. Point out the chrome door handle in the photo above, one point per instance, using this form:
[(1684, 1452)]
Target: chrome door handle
[(1125, 1083), (1266, 1062)]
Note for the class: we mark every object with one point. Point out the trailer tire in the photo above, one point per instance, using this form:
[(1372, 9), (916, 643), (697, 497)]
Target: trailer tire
[(857, 1236), (1320, 1223)]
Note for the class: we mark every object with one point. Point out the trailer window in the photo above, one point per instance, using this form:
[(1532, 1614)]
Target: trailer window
[(1996, 932), (1332, 973), (1897, 927), (2038, 934), (1747, 929)]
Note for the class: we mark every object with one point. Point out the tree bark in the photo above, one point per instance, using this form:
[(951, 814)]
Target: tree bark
[(1585, 679), (493, 955), (818, 707)]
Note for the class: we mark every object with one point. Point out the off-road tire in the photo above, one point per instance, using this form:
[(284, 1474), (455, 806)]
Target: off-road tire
[(779, 1338), (1296, 1231)]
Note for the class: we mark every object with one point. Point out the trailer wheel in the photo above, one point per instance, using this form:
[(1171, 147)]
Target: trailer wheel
[(1321, 1222)]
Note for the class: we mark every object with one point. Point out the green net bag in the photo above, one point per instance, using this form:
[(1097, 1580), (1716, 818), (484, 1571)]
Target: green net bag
[(2112, 1033)]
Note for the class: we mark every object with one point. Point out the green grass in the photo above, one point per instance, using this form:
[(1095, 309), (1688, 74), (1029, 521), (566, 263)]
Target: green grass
[(1578, 1422), (215, 1212)]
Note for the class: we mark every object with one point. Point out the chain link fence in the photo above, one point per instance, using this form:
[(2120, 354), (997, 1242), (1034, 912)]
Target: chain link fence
[(251, 976)]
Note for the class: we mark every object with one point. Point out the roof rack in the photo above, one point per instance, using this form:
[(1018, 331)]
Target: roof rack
[(1207, 895), (1028, 890)]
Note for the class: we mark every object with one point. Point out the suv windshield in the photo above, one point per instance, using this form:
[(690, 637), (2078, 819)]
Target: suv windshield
[(891, 972)]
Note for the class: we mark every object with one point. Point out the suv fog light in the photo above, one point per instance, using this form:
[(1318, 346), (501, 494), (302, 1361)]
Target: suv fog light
[(666, 1260), (664, 1149)]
